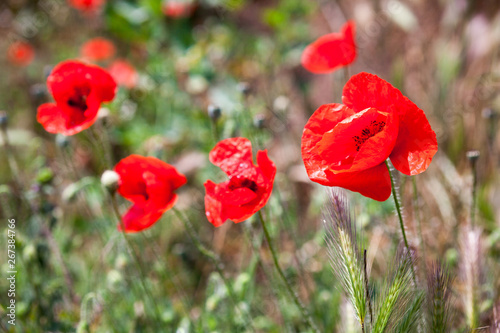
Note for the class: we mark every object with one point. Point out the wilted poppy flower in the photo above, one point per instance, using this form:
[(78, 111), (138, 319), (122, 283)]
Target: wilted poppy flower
[(98, 49), (87, 6), (249, 185), (123, 73), (347, 145), (149, 184), (20, 53), (78, 90), (331, 51), (178, 8)]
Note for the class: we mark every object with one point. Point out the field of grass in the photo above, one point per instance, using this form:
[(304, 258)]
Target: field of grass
[(310, 258)]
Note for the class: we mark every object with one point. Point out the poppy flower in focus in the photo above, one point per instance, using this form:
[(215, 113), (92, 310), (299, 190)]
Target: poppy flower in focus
[(87, 6), (20, 53), (123, 73), (347, 144), (331, 51), (98, 49), (178, 8), (78, 90), (149, 184), (248, 188)]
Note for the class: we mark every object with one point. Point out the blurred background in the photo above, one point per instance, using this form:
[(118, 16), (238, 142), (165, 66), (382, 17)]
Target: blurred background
[(176, 60)]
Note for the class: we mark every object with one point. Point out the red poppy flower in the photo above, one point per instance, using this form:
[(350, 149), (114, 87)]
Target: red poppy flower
[(98, 49), (124, 73), (249, 185), (347, 145), (150, 184), (78, 90), (87, 6), (331, 51), (20, 53), (178, 8)]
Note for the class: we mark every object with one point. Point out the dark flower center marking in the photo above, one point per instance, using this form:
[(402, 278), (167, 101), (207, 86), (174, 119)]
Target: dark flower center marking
[(79, 98), (239, 182), (372, 129)]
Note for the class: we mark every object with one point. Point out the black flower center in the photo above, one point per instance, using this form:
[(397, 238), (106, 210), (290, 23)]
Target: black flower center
[(79, 98), (238, 182), (373, 128)]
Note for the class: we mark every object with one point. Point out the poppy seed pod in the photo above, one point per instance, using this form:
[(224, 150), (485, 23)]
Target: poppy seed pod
[(214, 112), (110, 180)]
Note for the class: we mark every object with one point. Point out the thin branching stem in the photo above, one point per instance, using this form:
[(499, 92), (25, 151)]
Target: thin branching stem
[(214, 258), (136, 258), (292, 293)]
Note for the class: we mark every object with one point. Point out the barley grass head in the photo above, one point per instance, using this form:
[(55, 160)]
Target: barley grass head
[(343, 251)]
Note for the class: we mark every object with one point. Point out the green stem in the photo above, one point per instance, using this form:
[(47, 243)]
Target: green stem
[(400, 215), (398, 206), (212, 256), (292, 293), (136, 258)]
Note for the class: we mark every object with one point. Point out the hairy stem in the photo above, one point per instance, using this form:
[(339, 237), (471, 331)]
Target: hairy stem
[(292, 293), (395, 196), (213, 257), (136, 258)]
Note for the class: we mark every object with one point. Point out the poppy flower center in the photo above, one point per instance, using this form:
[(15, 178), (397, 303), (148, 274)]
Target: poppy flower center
[(79, 98), (373, 128), (239, 182)]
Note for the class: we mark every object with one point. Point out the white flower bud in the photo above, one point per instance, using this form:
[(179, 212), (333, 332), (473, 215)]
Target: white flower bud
[(110, 180)]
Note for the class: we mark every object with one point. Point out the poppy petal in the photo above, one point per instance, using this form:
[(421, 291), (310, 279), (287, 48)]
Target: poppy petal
[(360, 141), (266, 165), (331, 51), (324, 119), (51, 117), (373, 183), (416, 143), (213, 207), (228, 154)]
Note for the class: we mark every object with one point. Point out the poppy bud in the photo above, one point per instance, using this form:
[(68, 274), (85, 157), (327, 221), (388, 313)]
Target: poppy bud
[(473, 155), (110, 180), (38, 92), (44, 176), (214, 112), (244, 88), (62, 141), (115, 280), (259, 121), (3, 119), (29, 253), (281, 103)]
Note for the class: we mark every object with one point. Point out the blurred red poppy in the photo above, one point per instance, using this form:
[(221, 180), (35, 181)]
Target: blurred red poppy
[(97, 49), (149, 184), (331, 51), (124, 73), (178, 8), (347, 145), (248, 188), (87, 6), (20, 53), (78, 90)]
